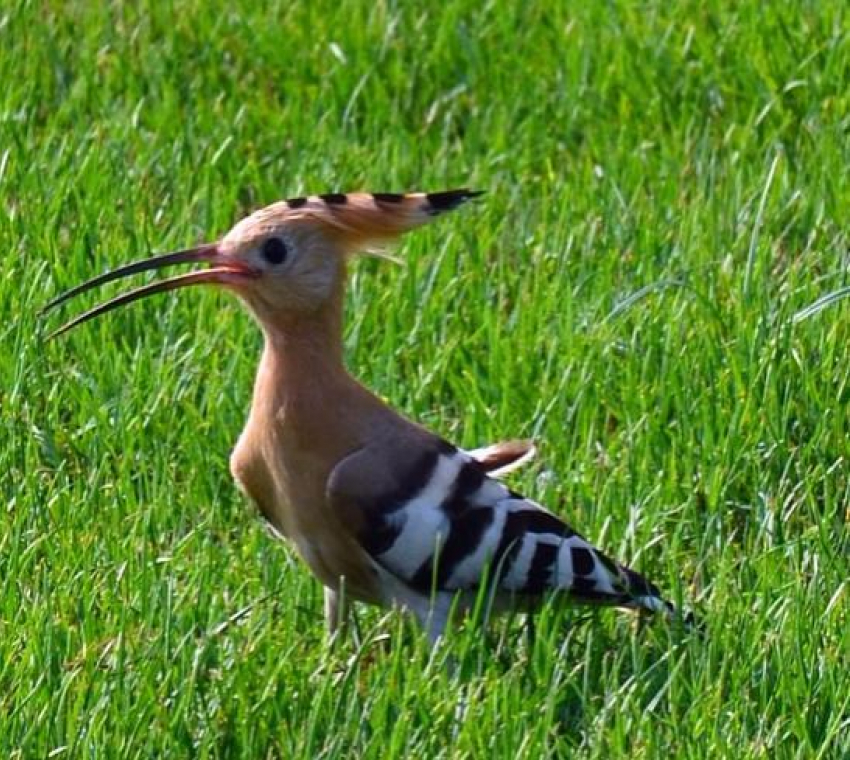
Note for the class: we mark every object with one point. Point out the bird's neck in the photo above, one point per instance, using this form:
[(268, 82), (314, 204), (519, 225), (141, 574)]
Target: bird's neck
[(303, 394), (305, 402), (303, 354)]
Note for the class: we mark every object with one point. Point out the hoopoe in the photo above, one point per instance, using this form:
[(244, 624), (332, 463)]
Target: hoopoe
[(378, 507)]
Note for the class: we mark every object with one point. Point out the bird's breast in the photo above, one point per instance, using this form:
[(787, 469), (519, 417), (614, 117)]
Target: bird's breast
[(289, 491), (256, 480)]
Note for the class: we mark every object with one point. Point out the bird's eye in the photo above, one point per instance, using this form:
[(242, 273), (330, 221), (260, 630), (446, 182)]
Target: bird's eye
[(274, 250)]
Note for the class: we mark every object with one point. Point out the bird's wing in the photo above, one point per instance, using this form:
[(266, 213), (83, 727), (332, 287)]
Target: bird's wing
[(499, 459), (430, 516)]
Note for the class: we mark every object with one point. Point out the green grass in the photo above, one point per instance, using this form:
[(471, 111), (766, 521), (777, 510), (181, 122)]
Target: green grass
[(668, 192)]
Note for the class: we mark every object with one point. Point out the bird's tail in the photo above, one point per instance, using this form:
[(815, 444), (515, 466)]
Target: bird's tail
[(638, 593), (609, 583)]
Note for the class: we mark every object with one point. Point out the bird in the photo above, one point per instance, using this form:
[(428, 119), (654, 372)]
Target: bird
[(382, 510)]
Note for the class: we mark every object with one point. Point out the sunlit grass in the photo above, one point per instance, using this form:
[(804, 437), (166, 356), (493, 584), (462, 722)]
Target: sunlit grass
[(654, 288)]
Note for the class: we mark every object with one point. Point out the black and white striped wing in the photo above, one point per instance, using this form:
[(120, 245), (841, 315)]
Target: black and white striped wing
[(445, 525)]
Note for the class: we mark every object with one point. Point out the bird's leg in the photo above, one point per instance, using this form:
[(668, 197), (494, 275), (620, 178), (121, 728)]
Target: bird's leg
[(336, 609), (437, 617), (530, 630)]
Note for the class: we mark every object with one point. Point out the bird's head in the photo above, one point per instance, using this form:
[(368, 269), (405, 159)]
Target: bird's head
[(286, 259)]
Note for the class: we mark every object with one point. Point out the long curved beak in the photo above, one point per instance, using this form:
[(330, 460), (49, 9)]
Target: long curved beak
[(225, 270)]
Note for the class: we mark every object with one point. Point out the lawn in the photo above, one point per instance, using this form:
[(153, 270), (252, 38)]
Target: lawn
[(652, 288)]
